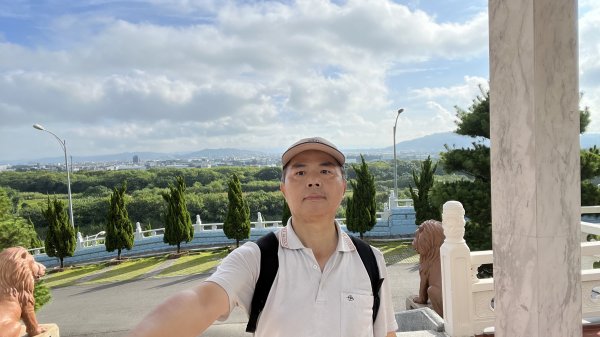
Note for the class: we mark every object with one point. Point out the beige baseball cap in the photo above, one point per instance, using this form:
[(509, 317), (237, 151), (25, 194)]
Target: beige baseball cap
[(312, 143)]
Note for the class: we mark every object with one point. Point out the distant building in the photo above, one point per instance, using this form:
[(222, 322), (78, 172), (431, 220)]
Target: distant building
[(136, 159)]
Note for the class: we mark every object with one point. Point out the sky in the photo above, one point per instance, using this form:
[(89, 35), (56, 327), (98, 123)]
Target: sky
[(111, 76)]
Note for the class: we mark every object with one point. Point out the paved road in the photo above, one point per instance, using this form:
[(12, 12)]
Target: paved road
[(110, 310)]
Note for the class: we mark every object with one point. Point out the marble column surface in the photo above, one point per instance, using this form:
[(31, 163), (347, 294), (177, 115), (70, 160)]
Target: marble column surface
[(534, 120)]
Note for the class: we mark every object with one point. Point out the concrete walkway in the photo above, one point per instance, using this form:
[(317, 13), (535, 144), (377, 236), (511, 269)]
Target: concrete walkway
[(110, 310)]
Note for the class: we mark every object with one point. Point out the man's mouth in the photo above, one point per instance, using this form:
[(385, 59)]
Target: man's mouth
[(314, 197)]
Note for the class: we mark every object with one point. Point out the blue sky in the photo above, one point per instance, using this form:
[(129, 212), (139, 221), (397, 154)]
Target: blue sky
[(184, 75)]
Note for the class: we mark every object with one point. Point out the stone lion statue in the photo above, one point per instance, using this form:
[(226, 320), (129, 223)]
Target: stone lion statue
[(18, 272), (427, 242)]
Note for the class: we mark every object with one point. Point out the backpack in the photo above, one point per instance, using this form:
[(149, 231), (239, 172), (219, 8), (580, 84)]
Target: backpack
[(269, 264)]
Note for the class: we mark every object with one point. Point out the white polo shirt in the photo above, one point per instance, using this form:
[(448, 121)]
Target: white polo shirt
[(305, 302)]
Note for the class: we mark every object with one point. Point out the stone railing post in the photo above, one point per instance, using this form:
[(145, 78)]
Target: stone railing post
[(79, 243), (456, 272), (138, 232), (259, 221), (392, 200), (198, 224)]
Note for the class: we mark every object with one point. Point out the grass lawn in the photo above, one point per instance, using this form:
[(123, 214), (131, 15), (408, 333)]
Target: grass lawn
[(70, 276), (397, 251), (128, 270), (194, 264)]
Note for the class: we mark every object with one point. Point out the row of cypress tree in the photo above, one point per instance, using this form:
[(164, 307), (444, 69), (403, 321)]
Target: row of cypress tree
[(60, 241)]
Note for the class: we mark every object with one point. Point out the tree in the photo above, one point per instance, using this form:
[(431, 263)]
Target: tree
[(361, 208), (5, 204), (17, 231), (237, 221), (590, 168), (424, 182), (41, 293), (287, 214), (475, 191), (178, 223), (60, 239), (119, 229)]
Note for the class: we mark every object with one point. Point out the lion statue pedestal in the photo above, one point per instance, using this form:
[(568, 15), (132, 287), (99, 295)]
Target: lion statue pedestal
[(411, 304), (18, 273), (50, 330), (429, 237)]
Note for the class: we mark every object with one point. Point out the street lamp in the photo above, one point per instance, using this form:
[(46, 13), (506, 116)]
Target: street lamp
[(63, 144), (395, 162)]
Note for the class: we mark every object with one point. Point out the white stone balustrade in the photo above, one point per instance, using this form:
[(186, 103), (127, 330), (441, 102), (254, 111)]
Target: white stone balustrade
[(480, 301), (404, 202), (36, 251)]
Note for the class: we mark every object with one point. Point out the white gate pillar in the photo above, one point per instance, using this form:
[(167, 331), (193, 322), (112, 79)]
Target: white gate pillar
[(456, 272)]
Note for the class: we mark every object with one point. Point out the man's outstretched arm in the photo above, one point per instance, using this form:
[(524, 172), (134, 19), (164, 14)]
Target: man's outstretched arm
[(187, 313)]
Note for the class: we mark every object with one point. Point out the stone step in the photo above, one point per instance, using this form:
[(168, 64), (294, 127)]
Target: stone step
[(424, 333)]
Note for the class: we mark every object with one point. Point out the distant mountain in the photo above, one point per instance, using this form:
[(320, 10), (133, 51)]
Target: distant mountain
[(430, 144), (434, 143), (223, 153)]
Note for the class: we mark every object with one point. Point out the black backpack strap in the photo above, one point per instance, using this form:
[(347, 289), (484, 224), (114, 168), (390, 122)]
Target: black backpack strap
[(269, 264), (370, 261)]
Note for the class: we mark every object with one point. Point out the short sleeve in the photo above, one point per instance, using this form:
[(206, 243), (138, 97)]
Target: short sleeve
[(237, 275)]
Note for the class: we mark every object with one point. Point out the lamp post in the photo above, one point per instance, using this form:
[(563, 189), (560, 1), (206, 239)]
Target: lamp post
[(63, 144), (395, 162)]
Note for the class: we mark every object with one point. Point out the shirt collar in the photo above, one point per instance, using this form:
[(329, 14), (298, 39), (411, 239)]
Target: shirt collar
[(288, 238)]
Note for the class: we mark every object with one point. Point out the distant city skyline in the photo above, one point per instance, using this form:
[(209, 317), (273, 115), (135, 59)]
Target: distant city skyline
[(162, 76)]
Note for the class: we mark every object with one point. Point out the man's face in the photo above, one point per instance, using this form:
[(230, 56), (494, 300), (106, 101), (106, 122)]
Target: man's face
[(313, 186)]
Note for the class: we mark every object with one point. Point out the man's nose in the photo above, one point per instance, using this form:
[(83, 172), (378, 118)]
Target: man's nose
[(314, 180)]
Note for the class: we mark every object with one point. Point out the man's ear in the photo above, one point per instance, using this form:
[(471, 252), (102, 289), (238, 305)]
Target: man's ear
[(282, 188)]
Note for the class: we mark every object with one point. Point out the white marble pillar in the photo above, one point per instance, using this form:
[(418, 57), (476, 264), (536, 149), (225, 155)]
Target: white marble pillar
[(535, 167)]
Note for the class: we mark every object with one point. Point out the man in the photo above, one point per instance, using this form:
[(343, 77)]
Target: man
[(321, 288)]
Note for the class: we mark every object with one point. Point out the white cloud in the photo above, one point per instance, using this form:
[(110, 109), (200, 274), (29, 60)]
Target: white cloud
[(589, 63), (443, 117), (244, 74), (461, 94)]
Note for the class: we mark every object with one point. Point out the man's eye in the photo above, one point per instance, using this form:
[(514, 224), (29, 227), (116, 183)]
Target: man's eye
[(325, 171), (300, 173)]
